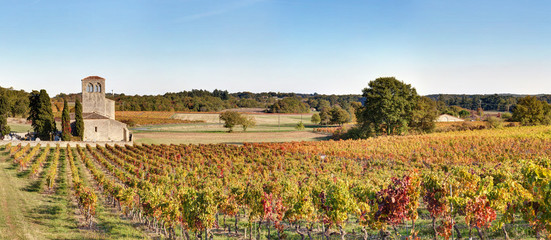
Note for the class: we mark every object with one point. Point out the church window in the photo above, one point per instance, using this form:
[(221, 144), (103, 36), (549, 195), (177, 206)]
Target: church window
[(96, 129), (98, 87), (90, 87)]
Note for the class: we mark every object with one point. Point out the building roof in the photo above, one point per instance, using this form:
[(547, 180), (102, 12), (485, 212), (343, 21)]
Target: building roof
[(448, 118), (93, 77), (93, 115)]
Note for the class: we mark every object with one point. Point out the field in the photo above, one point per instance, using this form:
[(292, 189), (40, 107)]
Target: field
[(140, 118), (211, 122), (228, 138), (207, 128), (486, 183), (19, 125), (178, 128)]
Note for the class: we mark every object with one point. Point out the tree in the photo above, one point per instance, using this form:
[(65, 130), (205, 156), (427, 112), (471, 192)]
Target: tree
[(65, 123), (325, 116), (494, 122), (4, 109), (424, 115), (351, 111), (246, 122), (40, 114), (339, 116), (79, 122), (388, 107), (315, 118), (480, 112), (531, 111), (464, 113), (231, 119), (299, 126), (19, 107), (289, 105), (323, 104)]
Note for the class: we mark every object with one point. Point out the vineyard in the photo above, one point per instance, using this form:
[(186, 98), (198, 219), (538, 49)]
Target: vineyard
[(484, 184)]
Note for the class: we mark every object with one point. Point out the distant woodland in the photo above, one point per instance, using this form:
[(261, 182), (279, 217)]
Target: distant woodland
[(218, 100)]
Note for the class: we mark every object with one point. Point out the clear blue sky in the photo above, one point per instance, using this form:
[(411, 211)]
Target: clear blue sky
[(307, 46)]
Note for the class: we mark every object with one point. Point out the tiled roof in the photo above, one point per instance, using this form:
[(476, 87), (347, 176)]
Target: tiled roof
[(93, 116), (93, 77)]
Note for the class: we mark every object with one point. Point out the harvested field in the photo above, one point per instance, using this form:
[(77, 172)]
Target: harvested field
[(231, 138), (148, 118)]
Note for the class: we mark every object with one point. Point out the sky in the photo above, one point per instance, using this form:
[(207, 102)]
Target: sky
[(304, 46)]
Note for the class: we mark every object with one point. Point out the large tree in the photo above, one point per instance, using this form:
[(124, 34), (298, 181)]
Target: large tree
[(79, 122), (41, 116), (4, 109), (247, 121), (325, 116), (315, 118), (423, 116), (339, 116), (388, 108), (531, 111), (231, 119), (65, 123)]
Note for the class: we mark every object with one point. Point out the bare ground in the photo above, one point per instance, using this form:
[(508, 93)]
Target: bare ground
[(231, 138)]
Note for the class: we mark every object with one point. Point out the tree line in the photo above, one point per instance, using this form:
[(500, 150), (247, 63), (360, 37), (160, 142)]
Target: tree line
[(392, 107), (487, 102), (39, 112), (219, 100)]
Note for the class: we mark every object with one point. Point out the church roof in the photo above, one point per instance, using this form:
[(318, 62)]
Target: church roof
[(93, 115), (93, 77)]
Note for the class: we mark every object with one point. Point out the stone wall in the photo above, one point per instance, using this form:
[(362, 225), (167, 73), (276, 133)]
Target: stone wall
[(109, 108), (63, 143), (94, 101)]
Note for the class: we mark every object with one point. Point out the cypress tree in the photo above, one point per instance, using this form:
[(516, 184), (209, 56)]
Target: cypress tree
[(79, 122), (41, 116), (65, 123), (34, 105), (4, 109)]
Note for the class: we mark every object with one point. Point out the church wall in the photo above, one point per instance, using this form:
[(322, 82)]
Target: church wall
[(110, 108), (93, 101), (105, 130)]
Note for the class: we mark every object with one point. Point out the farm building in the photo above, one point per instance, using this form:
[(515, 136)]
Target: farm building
[(448, 118), (98, 113)]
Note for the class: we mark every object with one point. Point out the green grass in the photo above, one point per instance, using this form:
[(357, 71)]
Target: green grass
[(20, 127), (219, 128), (265, 123), (16, 127), (27, 212)]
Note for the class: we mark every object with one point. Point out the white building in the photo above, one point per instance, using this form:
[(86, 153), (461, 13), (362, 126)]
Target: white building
[(448, 118)]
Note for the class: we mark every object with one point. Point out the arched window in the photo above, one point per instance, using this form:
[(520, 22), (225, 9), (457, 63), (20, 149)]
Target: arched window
[(98, 87), (90, 87)]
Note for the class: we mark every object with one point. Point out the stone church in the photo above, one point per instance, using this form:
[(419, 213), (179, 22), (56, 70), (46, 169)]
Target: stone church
[(98, 113)]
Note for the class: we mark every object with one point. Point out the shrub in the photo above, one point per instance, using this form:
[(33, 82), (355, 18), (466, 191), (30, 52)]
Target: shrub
[(299, 126), (494, 122)]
